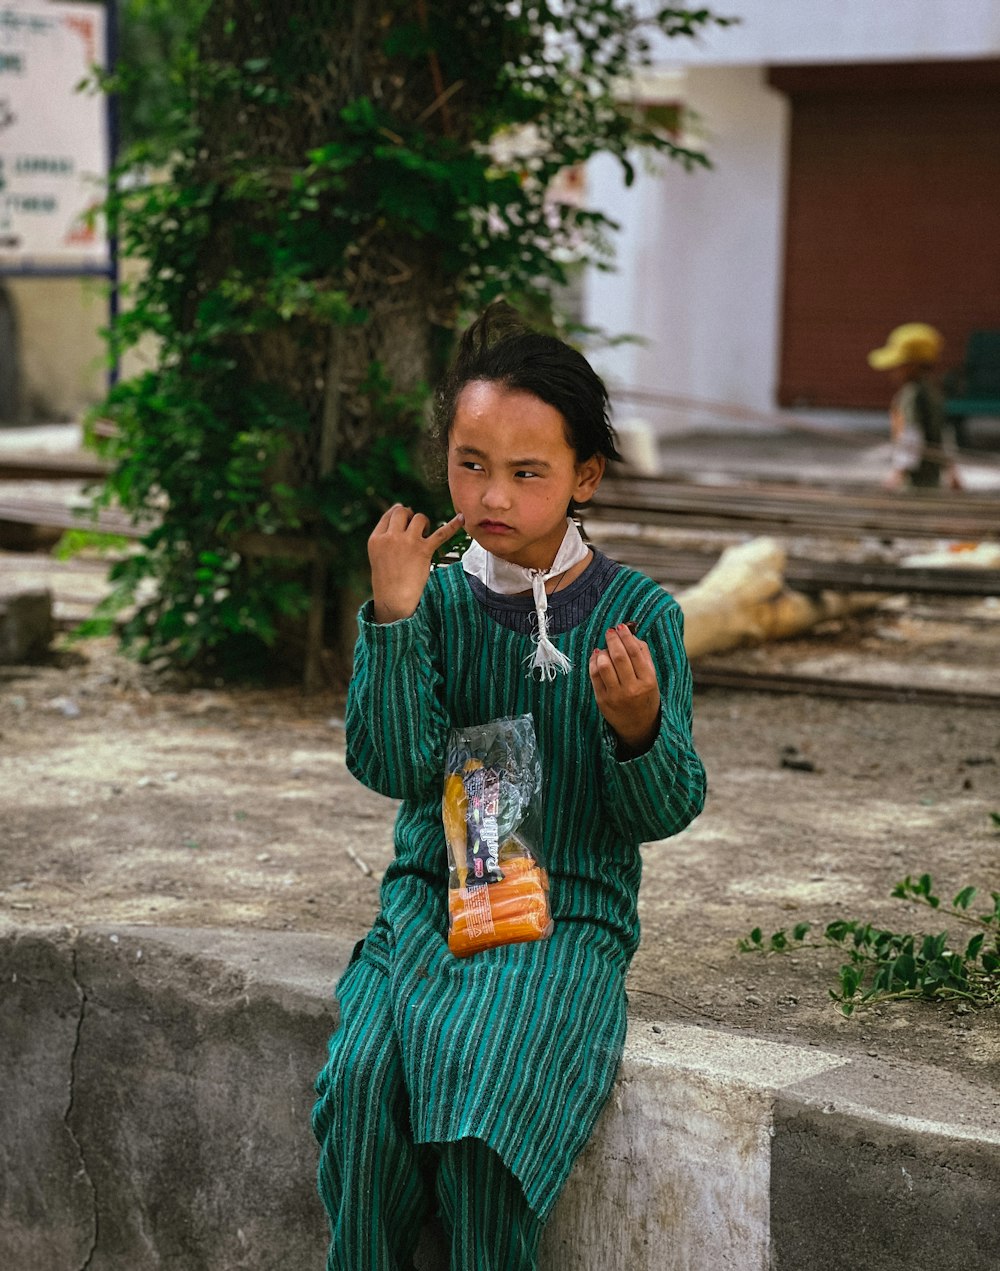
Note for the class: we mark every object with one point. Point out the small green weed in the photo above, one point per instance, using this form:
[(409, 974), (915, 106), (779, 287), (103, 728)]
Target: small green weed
[(895, 966), (73, 542)]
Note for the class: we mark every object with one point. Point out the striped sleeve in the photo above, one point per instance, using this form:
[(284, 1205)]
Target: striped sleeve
[(659, 792), (396, 724)]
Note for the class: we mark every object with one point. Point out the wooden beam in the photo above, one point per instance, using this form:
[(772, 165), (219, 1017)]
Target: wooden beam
[(796, 509)]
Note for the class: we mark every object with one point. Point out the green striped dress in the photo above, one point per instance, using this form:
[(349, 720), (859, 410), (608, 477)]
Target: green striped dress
[(516, 1046)]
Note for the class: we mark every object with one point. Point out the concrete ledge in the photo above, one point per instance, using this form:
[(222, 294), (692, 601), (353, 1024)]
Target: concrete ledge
[(157, 1084)]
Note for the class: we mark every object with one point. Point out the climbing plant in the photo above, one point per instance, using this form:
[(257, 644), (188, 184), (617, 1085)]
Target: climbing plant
[(345, 182), (154, 37)]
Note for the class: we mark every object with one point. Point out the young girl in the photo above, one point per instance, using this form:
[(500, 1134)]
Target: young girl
[(470, 1084)]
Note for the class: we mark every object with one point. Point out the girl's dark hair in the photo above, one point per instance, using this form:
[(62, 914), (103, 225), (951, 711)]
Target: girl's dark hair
[(501, 348)]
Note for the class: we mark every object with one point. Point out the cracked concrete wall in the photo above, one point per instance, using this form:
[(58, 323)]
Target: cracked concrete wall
[(155, 1111), (46, 1199), (192, 1098), (155, 1089), (184, 1085)]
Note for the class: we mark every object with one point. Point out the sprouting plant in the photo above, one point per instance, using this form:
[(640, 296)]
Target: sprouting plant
[(884, 965), (73, 542)]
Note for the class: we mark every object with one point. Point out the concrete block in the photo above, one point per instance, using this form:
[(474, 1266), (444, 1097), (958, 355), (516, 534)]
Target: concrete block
[(46, 1197), (25, 625), (160, 1084), (849, 1192), (677, 1174), (193, 1086)]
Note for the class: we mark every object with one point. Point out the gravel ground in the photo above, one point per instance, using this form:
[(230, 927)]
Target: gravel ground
[(125, 801)]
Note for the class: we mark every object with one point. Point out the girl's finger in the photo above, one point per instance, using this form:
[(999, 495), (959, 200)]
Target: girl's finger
[(398, 517), (602, 671), (620, 656), (418, 525), (446, 531), (638, 651)]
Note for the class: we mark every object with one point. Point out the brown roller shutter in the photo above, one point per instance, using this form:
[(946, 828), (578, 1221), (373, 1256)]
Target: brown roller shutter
[(892, 216)]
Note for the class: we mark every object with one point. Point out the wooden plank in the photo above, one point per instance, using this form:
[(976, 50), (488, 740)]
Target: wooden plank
[(786, 509), (46, 467), (32, 564), (58, 515), (821, 686), (659, 492)]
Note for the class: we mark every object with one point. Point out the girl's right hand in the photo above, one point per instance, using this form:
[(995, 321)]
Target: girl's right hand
[(400, 553)]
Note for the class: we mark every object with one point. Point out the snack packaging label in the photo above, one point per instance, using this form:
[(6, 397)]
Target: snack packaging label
[(482, 791)]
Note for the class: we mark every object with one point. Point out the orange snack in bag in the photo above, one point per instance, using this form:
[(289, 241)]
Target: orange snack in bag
[(510, 911)]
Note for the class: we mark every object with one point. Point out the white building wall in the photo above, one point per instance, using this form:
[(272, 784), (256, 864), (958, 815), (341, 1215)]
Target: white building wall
[(63, 359), (842, 31), (699, 254)]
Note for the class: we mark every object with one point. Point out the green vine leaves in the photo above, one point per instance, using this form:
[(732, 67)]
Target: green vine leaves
[(884, 965)]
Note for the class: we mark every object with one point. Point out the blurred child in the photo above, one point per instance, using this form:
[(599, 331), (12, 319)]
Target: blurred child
[(920, 457)]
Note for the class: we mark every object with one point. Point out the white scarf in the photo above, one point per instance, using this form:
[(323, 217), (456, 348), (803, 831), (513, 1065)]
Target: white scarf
[(507, 578)]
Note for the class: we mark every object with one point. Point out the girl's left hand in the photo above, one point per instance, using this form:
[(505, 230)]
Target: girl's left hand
[(626, 688)]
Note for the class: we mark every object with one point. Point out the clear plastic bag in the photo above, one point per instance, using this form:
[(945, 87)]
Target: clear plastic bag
[(498, 890)]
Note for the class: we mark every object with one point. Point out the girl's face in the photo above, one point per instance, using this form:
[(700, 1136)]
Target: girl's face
[(512, 472)]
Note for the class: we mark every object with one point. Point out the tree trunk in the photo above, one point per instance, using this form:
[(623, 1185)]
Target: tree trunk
[(327, 59)]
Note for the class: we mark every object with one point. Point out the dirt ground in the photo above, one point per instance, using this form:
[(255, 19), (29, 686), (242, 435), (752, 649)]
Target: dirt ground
[(127, 801)]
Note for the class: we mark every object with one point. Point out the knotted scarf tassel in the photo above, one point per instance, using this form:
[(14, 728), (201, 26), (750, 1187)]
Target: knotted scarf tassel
[(547, 660)]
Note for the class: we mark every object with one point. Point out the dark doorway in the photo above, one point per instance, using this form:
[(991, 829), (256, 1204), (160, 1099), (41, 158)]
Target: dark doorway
[(892, 216)]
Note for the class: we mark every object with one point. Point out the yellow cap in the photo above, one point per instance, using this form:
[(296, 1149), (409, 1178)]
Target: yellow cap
[(912, 342)]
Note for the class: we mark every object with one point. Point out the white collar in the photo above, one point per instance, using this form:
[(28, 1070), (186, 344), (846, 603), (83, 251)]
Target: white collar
[(507, 578)]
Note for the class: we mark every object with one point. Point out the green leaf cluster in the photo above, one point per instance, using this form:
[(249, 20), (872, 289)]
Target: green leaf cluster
[(885, 965)]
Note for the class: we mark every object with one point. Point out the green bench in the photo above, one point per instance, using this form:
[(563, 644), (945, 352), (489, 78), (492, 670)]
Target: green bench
[(974, 387)]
